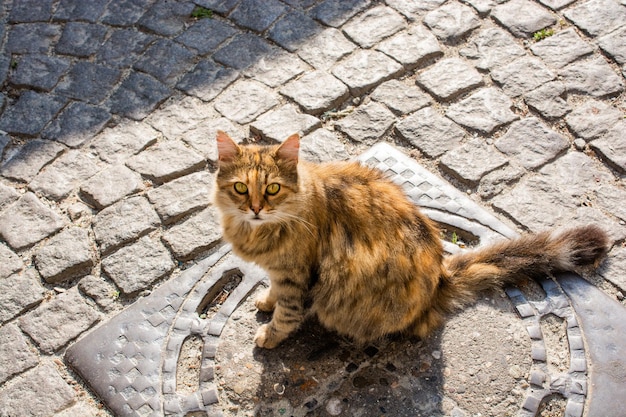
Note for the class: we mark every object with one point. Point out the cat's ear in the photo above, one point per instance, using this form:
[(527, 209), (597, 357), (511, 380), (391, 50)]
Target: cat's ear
[(288, 151), (227, 149)]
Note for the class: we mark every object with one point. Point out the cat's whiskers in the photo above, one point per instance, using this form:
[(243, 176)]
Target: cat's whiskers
[(285, 217)]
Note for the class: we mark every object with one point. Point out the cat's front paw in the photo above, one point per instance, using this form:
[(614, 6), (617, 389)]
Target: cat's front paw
[(266, 338), (264, 302)]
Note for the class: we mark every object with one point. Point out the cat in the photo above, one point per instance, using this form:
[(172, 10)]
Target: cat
[(342, 242)]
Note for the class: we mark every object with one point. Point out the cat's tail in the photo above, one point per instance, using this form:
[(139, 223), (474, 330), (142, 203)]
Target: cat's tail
[(533, 255)]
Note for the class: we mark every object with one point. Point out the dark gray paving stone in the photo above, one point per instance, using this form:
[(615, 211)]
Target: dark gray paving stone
[(414, 10), (472, 161), (126, 139), (19, 292), (245, 100), (195, 235), (110, 185), (195, 37), (61, 177), (279, 124), (66, 255), (562, 48), (124, 222), (485, 111), (449, 78), (522, 75), (166, 161), (182, 196), (125, 12), (76, 124), (400, 97), (28, 221), (614, 44), (30, 113), (77, 10), (11, 262), (40, 391), (276, 69), (522, 17), (38, 72), (137, 96), (15, 353), (5, 64), (612, 269), (368, 122), (374, 25), (243, 51), (166, 18), (218, 6), (134, 267), (123, 48), (531, 143), (549, 100), (597, 17), (81, 39), (336, 12), (325, 49), (612, 146), (380, 68), (430, 132), (592, 119), (413, 47), (293, 30), (258, 15), (207, 80), (89, 82), (452, 21), (32, 38), (594, 77), (31, 11), (166, 60), (321, 146), (316, 92)]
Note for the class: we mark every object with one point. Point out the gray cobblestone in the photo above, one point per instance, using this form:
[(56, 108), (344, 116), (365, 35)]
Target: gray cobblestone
[(325, 49), (594, 77), (125, 12), (257, 15), (166, 18), (562, 48), (89, 82), (122, 141), (492, 48), (30, 113), (16, 356), (336, 13), (367, 123), (40, 72), (81, 39), (612, 146), (165, 60), (522, 75), (413, 47), (374, 25), (485, 110), (195, 37), (165, 161), (592, 119), (195, 235), (612, 268), (277, 69), (483, 7), (556, 4), (245, 100), (549, 100), (614, 44), (11, 263), (597, 17), (32, 38), (322, 145), (138, 95), (76, 124), (99, 289), (30, 158), (452, 21), (178, 115), (218, 6), (293, 30), (522, 17), (19, 292), (472, 161), (400, 97), (123, 48), (449, 78), (316, 91), (110, 185), (282, 122), (183, 196), (380, 68), (243, 51), (207, 80), (197, 136), (78, 10), (430, 132), (414, 10), (496, 182), (65, 256)]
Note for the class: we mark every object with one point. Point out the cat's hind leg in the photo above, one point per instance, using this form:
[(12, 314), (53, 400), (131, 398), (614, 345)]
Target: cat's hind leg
[(266, 301)]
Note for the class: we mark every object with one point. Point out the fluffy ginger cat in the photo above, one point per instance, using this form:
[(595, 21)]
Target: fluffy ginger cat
[(344, 243)]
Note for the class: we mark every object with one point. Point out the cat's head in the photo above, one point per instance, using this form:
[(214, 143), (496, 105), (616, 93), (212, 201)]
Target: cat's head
[(257, 184)]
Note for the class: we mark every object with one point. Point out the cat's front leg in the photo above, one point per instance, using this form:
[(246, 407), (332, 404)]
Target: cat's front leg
[(266, 301)]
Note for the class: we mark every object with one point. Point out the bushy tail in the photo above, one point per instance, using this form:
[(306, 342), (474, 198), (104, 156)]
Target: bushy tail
[(504, 263)]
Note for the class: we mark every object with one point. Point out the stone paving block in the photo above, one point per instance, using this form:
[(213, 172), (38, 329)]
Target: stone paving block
[(612, 146), (400, 97), (594, 77), (335, 13), (30, 158), (165, 60), (134, 267), (522, 75), (243, 50), (81, 39), (79, 10), (592, 119), (178, 115), (430, 132), (11, 263), (497, 181), (207, 80), (41, 391), (66, 255), (380, 68), (19, 292), (39, 72), (137, 96), (316, 91), (609, 197), (54, 323), (562, 48), (28, 221), (368, 122), (414, 10), (413, 47), (325, 49), (125, 12), (293, 30), (614, 44), (16, 356), (556, 4), (277, 69), (202, 137), (30, 113), (245, 100), (123, 48), (449, 78), (283, 122), (99, 289), (485, 111), (76, 124), (322, 146), (374, 25), (110, 186), (472, 160), (183, 196), (597, 17), (89, 82), (483, 7), (613, 267), (123, 222), (195, 37), (32, 38), (257, 15), (166, 18), (57, 180), (522, 17), (549, 100), (452, 21), (531, 143), (165, 161), (195, 235), (31, 11), (126, 139)]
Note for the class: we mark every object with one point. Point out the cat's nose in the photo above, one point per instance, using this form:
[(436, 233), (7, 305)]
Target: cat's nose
[(256, 208)]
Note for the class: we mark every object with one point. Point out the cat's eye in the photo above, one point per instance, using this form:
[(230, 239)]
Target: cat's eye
[(241, 188), (272, 189)]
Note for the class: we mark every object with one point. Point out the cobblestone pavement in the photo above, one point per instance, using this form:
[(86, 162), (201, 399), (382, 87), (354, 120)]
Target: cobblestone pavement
[(116, 296)]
